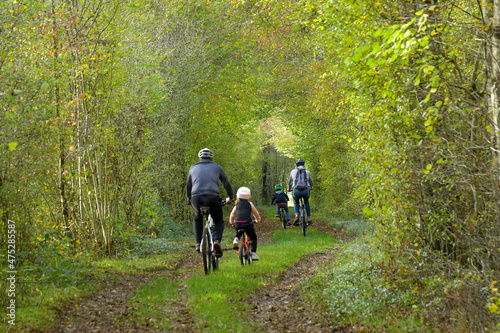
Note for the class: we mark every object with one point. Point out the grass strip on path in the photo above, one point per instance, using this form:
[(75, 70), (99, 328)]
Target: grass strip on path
[(215, 301)]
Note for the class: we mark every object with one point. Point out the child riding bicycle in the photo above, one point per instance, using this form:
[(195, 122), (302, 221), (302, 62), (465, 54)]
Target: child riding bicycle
[(280, 198), (241, 218)]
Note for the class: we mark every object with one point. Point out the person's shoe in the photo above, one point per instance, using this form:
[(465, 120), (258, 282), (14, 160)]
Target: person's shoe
[(197, 248), (296, 222), (217, 249), (277, 215), (309, 222), (255, 256), (236, 242), (288, 222)]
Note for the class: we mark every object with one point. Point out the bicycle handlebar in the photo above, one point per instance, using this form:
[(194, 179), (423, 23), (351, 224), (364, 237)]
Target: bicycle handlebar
[(291, 189)]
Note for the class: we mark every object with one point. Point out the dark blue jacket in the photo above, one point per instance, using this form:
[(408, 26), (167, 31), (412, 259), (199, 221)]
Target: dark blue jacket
[(279, 197)]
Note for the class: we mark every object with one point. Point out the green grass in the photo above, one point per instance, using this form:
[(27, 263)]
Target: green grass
[(149, 301), (270, 211), (215, 300), (135, 264), (355, 290), (39, 310)]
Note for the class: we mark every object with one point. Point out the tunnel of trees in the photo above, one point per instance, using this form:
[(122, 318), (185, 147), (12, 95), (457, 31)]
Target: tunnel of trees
[(394, 106)]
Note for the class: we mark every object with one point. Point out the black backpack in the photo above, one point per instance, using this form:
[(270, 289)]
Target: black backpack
[(301, 179)]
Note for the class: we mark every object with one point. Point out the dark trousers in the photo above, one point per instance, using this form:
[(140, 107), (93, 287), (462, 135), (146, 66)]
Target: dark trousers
[(214, 202), (286, 210), (249, 229), (304, 194)]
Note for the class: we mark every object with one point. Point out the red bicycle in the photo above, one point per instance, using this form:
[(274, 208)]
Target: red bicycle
[(244, 252)]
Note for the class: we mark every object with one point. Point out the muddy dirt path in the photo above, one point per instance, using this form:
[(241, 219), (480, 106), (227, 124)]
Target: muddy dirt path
[(278, 307)]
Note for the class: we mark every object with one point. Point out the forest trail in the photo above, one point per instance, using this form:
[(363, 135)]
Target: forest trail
[(278, 307)]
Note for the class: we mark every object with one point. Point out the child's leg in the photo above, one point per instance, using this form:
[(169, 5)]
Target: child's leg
[(287, 213), (253, 237), (237, 234), (277, 210)]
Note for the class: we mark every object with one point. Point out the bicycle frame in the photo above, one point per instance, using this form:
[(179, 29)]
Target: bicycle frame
[(244, 252), (210, 260), (302, 215), (283, 219)]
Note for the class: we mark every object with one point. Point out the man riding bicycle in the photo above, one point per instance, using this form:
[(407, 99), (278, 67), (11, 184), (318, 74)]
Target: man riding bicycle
[(202, 189), (301, 182)]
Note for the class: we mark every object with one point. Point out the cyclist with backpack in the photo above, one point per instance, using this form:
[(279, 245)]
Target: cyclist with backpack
[(202, 189), (301, 183), (281, 199)]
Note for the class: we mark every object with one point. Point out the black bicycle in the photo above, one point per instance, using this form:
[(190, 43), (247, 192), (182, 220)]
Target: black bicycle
[(210, 260), (302, 215), (283, 219)]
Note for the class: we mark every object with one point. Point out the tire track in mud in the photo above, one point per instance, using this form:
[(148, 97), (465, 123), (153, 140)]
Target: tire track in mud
[(277, 307), (280, 308), (108, 310)]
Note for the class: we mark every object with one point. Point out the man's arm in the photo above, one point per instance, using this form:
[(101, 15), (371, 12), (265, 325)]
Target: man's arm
[(189, 185), (290, 181), (226, 184), (310, 178)]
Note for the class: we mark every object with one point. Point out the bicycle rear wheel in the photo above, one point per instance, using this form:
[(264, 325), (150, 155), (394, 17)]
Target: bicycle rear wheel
[(283, 218), (215, 263), (303, 220), (206, 251), (249, 247), (243, 253)]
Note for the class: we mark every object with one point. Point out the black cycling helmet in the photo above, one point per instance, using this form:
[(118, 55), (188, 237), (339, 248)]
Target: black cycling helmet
[(205, 153), (277, 187), (300, 162)]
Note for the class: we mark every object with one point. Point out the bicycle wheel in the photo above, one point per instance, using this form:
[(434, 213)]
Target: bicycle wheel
[(243, 252), (206, 250), (215, 263), (303, 220), (249, 254), (283, 218)]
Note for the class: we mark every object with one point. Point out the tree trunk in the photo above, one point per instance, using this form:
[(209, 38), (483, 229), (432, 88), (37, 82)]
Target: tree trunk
[(62, 157), (266, 170), (494, 77)]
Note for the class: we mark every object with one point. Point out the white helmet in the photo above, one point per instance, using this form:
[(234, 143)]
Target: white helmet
[(205, 153), (243, 193)]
